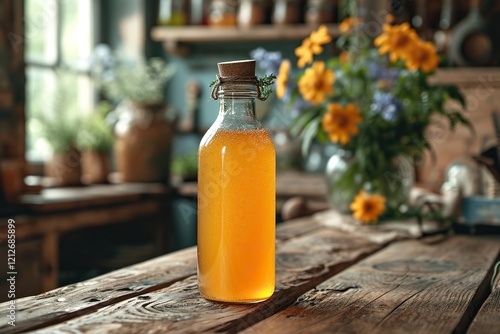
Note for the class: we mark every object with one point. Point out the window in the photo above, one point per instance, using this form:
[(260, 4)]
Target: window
[(60, 36)]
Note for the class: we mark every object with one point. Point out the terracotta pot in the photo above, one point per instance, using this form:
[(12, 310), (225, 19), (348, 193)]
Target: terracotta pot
[(143, 140), (64, 168), (95, 167)]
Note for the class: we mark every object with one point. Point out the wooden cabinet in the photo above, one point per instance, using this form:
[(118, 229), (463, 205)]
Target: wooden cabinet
[(92, 229), (28, 265)]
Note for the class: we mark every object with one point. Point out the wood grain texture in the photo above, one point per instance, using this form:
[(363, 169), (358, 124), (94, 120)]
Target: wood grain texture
[(296, 227), (86, 297), (408, 287), (302, 263), (81, 298), (488, 318)]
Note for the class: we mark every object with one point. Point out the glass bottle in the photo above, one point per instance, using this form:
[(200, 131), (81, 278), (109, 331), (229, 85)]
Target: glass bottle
[(287, 12), (222, 13), (319, 12), (173, 12), (236, 195), (251, 12)]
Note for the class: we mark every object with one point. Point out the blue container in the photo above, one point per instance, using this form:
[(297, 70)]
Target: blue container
[(481, 210)]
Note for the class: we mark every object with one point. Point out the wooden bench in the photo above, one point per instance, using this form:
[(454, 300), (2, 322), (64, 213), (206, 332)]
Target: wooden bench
[(327, 281)]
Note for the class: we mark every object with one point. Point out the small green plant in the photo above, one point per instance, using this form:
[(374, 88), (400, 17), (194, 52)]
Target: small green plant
[(185, 165), (95, 134), (141, 81), (59, 126)]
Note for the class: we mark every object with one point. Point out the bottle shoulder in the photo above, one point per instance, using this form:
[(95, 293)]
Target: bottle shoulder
[(222, 136)]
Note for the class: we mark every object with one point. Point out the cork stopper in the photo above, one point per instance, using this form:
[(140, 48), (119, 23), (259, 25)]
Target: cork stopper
[(237, 68)]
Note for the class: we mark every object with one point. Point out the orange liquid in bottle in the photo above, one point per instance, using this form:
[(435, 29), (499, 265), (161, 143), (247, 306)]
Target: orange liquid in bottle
[(236, 216)]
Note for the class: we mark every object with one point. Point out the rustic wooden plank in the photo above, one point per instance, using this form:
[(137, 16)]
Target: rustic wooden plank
[(409, 287), (85, 297), (488, 317), (296, 227), (302, 263), (81, 298)]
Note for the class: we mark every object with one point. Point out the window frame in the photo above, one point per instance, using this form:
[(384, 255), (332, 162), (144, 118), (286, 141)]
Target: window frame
[(35, 166)]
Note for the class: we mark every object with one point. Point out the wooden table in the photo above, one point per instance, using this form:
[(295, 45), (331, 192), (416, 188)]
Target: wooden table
[(328, 281)]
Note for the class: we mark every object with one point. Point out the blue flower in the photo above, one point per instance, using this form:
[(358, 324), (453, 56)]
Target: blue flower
[(381, 72), (267, 60), (386, 105)]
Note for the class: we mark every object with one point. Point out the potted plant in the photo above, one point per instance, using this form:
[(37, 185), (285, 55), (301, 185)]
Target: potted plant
[(60, 130), (144, 127), (95, 140)]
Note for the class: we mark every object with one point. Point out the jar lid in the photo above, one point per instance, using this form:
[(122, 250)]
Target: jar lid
[(237, 68)]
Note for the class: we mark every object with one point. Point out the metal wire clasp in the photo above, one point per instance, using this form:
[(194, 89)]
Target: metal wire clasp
[(261, 94)]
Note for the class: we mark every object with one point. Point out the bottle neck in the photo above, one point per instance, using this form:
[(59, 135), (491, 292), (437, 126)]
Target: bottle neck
[(237, 107)]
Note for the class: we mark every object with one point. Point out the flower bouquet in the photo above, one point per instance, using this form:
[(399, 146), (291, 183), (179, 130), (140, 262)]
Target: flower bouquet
[(375, 102)]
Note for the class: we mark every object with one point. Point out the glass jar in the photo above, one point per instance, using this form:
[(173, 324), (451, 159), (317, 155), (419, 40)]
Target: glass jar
[(344, 182), (236, 195), (198, 12), (222, 13), (173, 12), (287, 12), (319, 12), (143, 137), (251, 12)]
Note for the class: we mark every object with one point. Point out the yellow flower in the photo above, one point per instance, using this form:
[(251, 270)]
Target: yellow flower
[(305, 52), (320, 36), (367, 208), (316, 82), (422, 56), (398, 41), (312, 45), (389, 18), (282, 78), (348, 23), (341, 123)]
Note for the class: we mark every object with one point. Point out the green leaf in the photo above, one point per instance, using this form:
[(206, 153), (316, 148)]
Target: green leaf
[(308, 135), (456, 117), (302, 120), (455, 94), (322, 136), (266, 85)]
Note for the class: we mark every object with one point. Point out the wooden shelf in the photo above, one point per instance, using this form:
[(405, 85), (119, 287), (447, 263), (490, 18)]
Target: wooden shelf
[(176, 39)]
